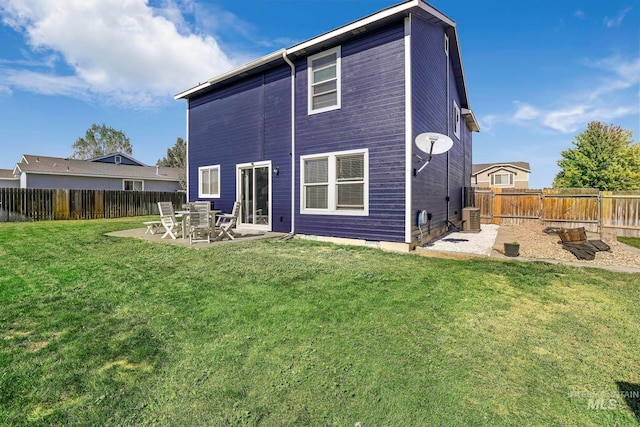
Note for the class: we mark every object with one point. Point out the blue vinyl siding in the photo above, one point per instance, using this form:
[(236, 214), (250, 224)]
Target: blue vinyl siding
[(429, 68), (248, 121), (372, 115)]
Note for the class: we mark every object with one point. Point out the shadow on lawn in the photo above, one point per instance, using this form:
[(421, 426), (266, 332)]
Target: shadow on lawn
[(631, 394)]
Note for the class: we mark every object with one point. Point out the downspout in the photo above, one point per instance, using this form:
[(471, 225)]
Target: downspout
[(293, 141), (186, 149)]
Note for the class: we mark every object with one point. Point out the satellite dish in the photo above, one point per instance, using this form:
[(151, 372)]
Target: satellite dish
[(432, 143)]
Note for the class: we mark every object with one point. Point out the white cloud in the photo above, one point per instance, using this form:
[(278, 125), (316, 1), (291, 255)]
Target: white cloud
[(525, 112), (120, 50), (605, 99), (617, 21)]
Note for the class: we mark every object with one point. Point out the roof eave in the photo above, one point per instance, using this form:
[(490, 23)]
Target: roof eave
[(501, 166), (470, 120), (232, 73)]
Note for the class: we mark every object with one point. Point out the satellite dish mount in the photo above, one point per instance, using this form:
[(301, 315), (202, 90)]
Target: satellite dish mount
[(432, 143)]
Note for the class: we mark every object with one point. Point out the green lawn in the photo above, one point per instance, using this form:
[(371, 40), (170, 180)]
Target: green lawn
[(97, 330), (631, 241)]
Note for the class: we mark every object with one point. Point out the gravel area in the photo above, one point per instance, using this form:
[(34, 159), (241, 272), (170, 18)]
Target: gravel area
[(471, 243), (536, 244)]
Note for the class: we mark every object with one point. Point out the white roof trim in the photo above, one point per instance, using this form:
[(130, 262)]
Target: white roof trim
[(501, 166), (466, 112), (386, 13), (355, 25), (247, 67)]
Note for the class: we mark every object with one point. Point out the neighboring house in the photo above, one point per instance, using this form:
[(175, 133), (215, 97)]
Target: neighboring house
[(504, 175), (8, 180), (318, 139), (113, 172)]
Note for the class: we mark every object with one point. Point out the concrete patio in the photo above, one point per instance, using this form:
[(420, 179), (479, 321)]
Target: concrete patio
[(243, 235)]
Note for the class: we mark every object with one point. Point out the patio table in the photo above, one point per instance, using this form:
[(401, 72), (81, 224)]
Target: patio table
[(185, 218)]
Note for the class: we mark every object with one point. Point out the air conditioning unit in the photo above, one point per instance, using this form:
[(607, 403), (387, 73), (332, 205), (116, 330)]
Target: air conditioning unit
[(471, 220)]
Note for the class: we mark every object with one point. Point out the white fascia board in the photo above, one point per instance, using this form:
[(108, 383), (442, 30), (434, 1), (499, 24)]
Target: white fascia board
[(436, 13), (236, 71), (469, 116), (323, 38), (501, 166), (355, 25)]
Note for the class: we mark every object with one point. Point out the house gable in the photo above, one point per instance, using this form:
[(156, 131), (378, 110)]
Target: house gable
[(507, 175)]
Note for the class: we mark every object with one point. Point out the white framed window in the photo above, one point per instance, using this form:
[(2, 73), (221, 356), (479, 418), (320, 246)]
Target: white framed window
[(117, 160), (132, 185), (502, 179), (446, 45), (324, 81), (335, 183), (209, 181), (456, 119)]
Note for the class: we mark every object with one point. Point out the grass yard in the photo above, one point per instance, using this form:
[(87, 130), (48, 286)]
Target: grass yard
[(97, 330), (631, 241)]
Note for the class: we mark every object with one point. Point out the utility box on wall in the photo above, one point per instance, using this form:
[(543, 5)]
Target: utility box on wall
[(471, 220)]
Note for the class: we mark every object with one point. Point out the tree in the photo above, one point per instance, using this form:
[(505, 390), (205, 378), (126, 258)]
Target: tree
[(176, 158), (100, 141), (604, 157)]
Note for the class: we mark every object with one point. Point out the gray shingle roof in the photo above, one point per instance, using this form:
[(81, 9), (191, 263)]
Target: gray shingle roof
[(7, 174), (479, 167), (73, 167)]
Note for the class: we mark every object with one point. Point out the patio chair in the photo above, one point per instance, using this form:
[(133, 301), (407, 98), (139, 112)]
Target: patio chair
[(168, 219), (199, 226), (226, 222)]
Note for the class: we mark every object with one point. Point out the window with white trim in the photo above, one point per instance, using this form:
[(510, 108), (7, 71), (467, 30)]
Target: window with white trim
[(335, 183), (446, 45), (502, 179), (209, 181), (132, 185), (456, 119), (324, 81)]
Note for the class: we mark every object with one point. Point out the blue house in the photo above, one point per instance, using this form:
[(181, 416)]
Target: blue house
[(319, 139)]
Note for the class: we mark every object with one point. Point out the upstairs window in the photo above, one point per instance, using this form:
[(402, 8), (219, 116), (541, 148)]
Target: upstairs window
[(209, 181), (446, 45), (502, 179), (324, 81), (132, 185), (456, 120)]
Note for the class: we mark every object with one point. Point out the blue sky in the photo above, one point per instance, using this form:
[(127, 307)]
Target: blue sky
[(537, 72)]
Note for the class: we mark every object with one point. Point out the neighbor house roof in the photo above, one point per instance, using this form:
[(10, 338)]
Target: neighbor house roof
[(73, 167), (7, 174), (481, 167), (100, 158), (326, 40)]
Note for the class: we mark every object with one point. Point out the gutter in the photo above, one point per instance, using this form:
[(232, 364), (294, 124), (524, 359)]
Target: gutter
[(293, 141), (236, 71)]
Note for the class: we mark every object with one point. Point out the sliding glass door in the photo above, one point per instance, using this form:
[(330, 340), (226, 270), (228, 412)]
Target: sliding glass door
[(254, 193)]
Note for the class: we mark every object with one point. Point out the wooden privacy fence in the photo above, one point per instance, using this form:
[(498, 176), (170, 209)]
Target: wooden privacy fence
[(597, 211), (27, 204)]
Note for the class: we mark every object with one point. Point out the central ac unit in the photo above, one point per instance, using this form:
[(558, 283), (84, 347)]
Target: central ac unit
[(471, 220)]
